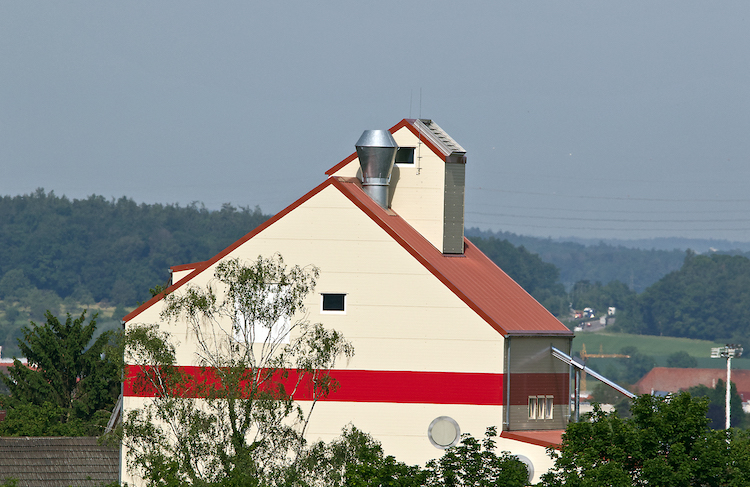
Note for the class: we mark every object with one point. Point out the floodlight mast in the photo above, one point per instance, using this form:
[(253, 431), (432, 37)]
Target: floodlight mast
[(728, 351)]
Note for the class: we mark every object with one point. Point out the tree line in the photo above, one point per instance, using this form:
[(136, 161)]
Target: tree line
[(59, 254), (636, 268), (96, 249)]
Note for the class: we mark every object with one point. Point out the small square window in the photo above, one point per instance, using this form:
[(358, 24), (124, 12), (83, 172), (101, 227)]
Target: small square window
[(333, 303), (405, 155)]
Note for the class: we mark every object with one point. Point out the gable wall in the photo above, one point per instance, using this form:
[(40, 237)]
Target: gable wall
[(398, 313), (396, 309), (400, 318), (417, 192)]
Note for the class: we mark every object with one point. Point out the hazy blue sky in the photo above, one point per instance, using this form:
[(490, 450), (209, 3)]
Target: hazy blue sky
[(594, 119)]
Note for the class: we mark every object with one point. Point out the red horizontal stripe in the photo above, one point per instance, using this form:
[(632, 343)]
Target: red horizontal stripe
[(418, 387), (355, 386)]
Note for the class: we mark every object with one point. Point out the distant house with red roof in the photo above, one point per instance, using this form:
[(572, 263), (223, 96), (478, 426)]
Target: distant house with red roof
[(441, 334), (672, 379)]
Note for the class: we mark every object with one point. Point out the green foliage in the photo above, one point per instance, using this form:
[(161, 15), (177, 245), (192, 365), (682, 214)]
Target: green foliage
[(587, 295), (106, 250), (708, 298), (14, 284), (74, 378), (356, 460), (635, 367), (385, 471), (717, 405), (540, 279), (475, 463), (666, 442), (681, 359), (247, 424), (50, 420)]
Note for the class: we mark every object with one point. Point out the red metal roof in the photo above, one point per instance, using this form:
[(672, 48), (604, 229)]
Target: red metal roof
[(473, 277)]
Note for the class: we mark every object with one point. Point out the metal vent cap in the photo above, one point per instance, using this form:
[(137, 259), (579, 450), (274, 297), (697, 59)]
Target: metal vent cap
[(376, 150)]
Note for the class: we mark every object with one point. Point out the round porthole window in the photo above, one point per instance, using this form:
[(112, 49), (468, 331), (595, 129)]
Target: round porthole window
[(443, 432), (529, 466)]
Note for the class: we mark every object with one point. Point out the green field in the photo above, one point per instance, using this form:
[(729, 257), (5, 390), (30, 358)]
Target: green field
[(658, 347)]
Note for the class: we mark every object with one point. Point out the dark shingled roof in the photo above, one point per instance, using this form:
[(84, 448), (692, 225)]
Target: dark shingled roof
[(58, 462)]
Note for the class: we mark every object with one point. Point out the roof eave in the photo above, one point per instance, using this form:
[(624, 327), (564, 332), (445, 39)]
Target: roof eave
[(535, 333), (205, 264)]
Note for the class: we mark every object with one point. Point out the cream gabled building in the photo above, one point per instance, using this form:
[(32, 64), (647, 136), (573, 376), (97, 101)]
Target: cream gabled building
[(445, 342)]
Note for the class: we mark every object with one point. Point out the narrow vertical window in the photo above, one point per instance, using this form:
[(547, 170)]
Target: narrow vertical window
[(540, 407), (548, 403), (533, 405)]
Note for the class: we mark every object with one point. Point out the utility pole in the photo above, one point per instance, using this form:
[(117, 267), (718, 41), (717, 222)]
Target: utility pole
[(728, 352)]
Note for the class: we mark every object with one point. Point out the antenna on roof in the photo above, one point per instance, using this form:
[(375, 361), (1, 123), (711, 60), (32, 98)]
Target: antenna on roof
[(419, 137)]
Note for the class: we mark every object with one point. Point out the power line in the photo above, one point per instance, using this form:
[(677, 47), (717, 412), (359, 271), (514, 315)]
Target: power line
[(620, 229), (610, 220), (608, 180), (593, 210), (614, 198)]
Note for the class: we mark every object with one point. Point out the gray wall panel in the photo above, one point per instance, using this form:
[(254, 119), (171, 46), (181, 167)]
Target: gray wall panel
[(453, 210)]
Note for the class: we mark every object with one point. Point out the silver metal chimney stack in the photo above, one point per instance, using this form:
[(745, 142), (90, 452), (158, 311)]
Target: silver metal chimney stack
[(376, 150)]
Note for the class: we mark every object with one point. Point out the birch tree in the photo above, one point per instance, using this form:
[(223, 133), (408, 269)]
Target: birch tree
[(233, 419)]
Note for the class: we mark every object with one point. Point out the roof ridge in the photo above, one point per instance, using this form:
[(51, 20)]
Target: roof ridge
[(450, 145)]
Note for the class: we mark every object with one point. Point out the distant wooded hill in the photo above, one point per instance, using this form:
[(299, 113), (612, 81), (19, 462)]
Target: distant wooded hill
[(599, 262), (62, 255), (107, 250), (693, 296)]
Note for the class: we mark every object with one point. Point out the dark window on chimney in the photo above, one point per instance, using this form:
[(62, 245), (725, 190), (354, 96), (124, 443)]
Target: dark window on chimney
[(333, 302), (405, 155)]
